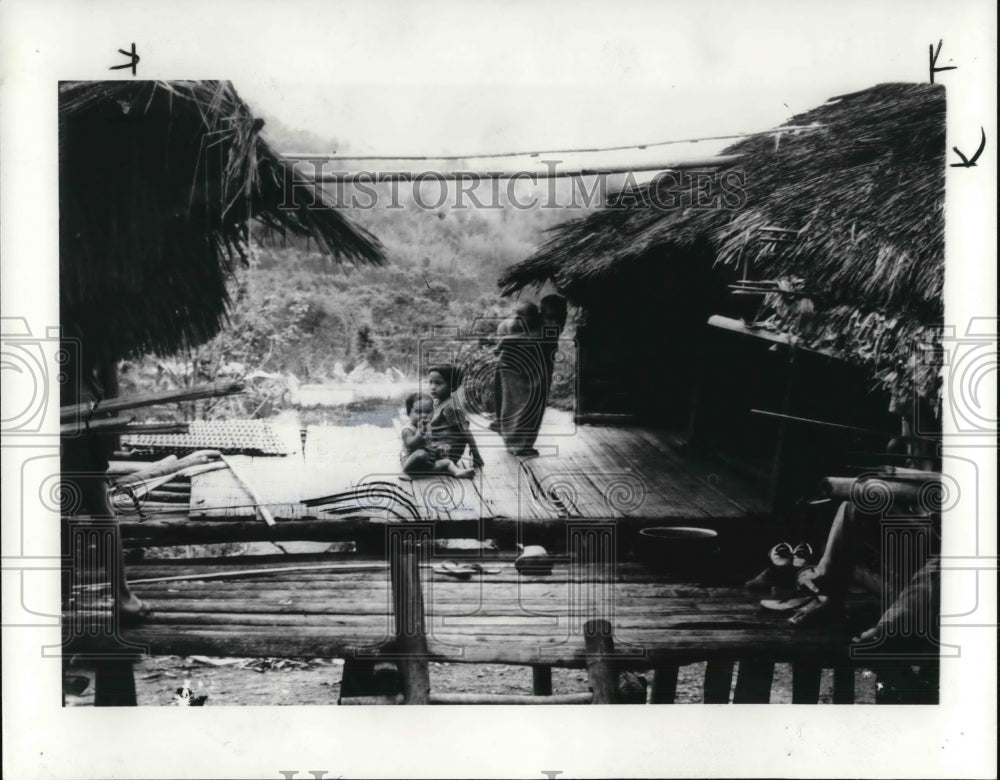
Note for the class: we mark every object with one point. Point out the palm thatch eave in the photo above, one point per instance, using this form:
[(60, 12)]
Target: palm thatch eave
[(864, 192), (862, 195), (158, 181)]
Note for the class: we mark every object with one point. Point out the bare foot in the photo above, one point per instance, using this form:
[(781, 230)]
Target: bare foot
[(816, 611), (465, 473), (870, 635), (131, 608)]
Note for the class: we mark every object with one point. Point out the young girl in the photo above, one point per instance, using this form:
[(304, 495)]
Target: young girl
[(421, 454), (449, 426)]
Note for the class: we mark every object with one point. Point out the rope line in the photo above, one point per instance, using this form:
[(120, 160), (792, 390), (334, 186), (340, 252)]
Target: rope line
[(535, 153)]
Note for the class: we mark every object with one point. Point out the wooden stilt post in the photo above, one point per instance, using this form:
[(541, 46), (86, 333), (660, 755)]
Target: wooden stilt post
[(843, 685), (600, 643), (930, 675), (718, 681), (664, 684), (753, 682), (541, 680), (353, 678), (408, 607), (114, 683), (805, 683)]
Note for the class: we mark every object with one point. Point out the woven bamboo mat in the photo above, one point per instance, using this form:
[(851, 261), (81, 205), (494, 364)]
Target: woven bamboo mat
[(235, 437)]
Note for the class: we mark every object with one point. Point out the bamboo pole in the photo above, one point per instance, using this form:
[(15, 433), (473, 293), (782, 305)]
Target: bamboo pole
[(364, 496), (113, 405), (349, 568), (850, 488), (600, 645), (169, 466), (119, 468), (170, 496), (124, 494), (509, 698), (146, 470), (478, 698), (179, 484), (408, 609), (127, 491), (254, 495), (739, 326), (194, 471), (116, 426), (112, 424), (824, 423), (177, 528)]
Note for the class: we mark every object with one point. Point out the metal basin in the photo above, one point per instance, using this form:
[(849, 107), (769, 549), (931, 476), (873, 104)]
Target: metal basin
[(681, 550)]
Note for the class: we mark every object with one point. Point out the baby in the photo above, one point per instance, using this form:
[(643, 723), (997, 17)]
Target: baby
[(421, 454)]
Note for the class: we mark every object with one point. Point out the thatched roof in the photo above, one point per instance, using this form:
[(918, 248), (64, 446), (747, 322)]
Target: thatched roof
[(157, 183), (863, 189)]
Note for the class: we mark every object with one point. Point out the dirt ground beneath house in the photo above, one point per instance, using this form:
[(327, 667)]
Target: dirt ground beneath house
[(273, 681)]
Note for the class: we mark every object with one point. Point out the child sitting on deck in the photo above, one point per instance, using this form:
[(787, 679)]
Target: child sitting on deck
[(449, 425), (421, 454)]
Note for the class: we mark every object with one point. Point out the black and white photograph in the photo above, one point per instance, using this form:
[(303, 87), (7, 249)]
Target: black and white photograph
[(438, 354)]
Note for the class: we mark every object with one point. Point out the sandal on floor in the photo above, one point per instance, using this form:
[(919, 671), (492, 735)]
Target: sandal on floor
[(790, 604), (463, 571), (482, 569), (779, 569), (803, 556), (456, 570)]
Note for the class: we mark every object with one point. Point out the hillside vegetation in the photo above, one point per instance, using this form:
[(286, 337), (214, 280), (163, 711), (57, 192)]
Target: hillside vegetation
[(299, 317)]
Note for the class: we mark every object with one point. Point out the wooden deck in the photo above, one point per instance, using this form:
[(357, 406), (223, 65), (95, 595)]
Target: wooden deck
[(342, 607), (582, 472), (589, 488)]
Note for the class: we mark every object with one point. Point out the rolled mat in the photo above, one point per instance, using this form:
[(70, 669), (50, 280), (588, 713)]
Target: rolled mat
[(876, 493)]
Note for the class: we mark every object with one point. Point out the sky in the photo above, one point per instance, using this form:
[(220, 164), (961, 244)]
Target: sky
[(456, 79)]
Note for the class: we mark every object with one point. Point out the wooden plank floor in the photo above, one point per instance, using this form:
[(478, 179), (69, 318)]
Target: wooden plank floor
[(498, 617), (588, 472)]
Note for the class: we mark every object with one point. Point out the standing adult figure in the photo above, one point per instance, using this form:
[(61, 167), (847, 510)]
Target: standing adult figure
[(553, 311), (519, 381)]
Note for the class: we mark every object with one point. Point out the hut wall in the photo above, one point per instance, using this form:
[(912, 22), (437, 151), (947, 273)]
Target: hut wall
[(646, 351), (641, 338), (741, 374)]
